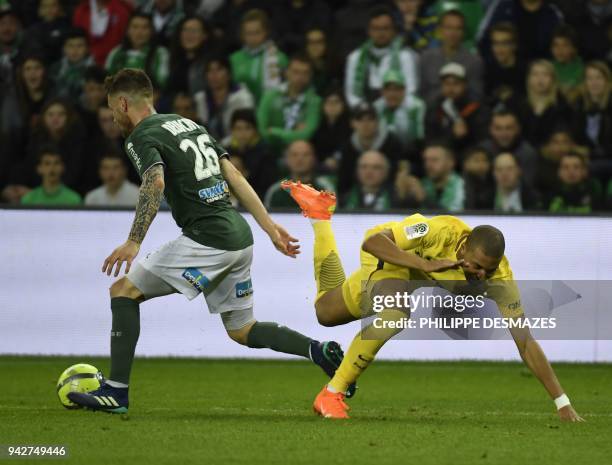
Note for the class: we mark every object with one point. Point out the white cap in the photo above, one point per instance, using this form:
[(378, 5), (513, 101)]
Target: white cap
[(453, 69)]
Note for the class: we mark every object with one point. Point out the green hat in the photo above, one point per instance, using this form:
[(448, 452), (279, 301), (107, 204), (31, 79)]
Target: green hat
[(393, 76)]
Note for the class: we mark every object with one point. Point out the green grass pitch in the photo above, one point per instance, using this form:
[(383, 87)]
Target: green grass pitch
[(201, 411)]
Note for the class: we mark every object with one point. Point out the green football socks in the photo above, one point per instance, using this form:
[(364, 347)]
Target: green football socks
[(279, 338), (124, 336)]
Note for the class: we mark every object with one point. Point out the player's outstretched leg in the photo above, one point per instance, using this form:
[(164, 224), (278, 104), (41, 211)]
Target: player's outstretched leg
[(329, 403), (112, 396), (267, 335), (329, 274)]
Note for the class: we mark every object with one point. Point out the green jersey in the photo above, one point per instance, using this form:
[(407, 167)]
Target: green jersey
[(195, 188)]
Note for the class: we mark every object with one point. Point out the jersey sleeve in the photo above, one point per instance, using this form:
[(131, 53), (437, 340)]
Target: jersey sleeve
[(507, 297), (409, 232), (143, 156), (150, 157)]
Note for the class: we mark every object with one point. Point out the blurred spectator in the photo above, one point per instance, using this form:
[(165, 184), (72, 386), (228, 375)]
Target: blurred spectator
[(23, 103), (93, 97), (544, 107), (505, 71), (575, 192), (592, 116), (245, 142), (351, 24), (456, 116), (444, 188), (291, 112), (301, 164), (221, 97), (512, 195), (184, 105), (68, 74), (227, 20), (592, 24), (371, 191), (50, 167), (105, 22), (116, 190), (505, 136), (403, 114), (48, 34), (139, 50), (166, 15), (367, 135), (59, 126), (535, 19), (452, 32), (110, 137), (334, 129), (559, 144), (10, 38), (259, 64), (325, 64), (418, 22), (568, 65), (478, 179), (409, 192), (292, 18), (193, 45), (384, 50)]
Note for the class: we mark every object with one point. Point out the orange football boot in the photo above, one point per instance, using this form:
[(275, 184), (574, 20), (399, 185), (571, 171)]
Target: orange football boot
[(330, 405), (318, 205)]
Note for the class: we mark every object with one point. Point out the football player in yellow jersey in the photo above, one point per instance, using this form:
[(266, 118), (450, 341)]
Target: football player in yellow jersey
[(393, 256)]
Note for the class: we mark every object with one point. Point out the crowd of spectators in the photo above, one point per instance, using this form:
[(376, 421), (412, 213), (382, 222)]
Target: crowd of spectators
[(447, 105)]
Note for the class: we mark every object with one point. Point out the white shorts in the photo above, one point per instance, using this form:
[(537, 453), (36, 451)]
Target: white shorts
[(185, 266)]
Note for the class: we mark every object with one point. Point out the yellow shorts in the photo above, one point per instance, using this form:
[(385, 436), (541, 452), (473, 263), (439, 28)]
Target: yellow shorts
[(357, 285)]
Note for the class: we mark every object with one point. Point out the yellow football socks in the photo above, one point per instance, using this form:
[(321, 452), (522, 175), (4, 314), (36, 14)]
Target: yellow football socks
[(363, 349), (328, 270)]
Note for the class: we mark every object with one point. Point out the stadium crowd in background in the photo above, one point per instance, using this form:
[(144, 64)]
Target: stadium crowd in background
[(448, 105)]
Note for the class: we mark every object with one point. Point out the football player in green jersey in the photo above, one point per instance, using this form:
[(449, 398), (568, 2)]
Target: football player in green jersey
[(178, 159)]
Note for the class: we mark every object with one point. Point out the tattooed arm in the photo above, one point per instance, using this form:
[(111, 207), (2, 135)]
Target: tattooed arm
[(149, 199)]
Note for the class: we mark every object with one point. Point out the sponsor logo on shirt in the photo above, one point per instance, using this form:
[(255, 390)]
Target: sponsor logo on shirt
[(217, 192), (244, 289), (196, 279), (416, 230), (134, 156)]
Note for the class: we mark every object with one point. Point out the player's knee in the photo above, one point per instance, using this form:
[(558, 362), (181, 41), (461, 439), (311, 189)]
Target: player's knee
[(324, 316), (241, 335), (123, 287)]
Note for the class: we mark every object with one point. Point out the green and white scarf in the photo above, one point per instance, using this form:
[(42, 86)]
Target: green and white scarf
[(265, 65), (369, 54)]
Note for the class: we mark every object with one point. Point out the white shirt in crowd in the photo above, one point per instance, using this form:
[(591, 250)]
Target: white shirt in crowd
[(126, 196)]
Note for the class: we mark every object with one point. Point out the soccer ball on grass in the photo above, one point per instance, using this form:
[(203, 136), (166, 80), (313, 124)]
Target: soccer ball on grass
[(77, 378)]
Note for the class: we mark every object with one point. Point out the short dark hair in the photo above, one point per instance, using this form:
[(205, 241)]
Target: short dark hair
[(488, 239), (301, 57), (503, 112), (48, 149), (243, 114), (220, 59), (129, 81), (75, 33), (506, 27), (95, 74), (111, 155), (563, 31), (381, 10)]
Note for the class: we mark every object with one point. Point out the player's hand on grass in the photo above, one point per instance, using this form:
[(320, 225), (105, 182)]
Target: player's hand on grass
[(433, 266), (124, 253), (568, 413), (284, 242)]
